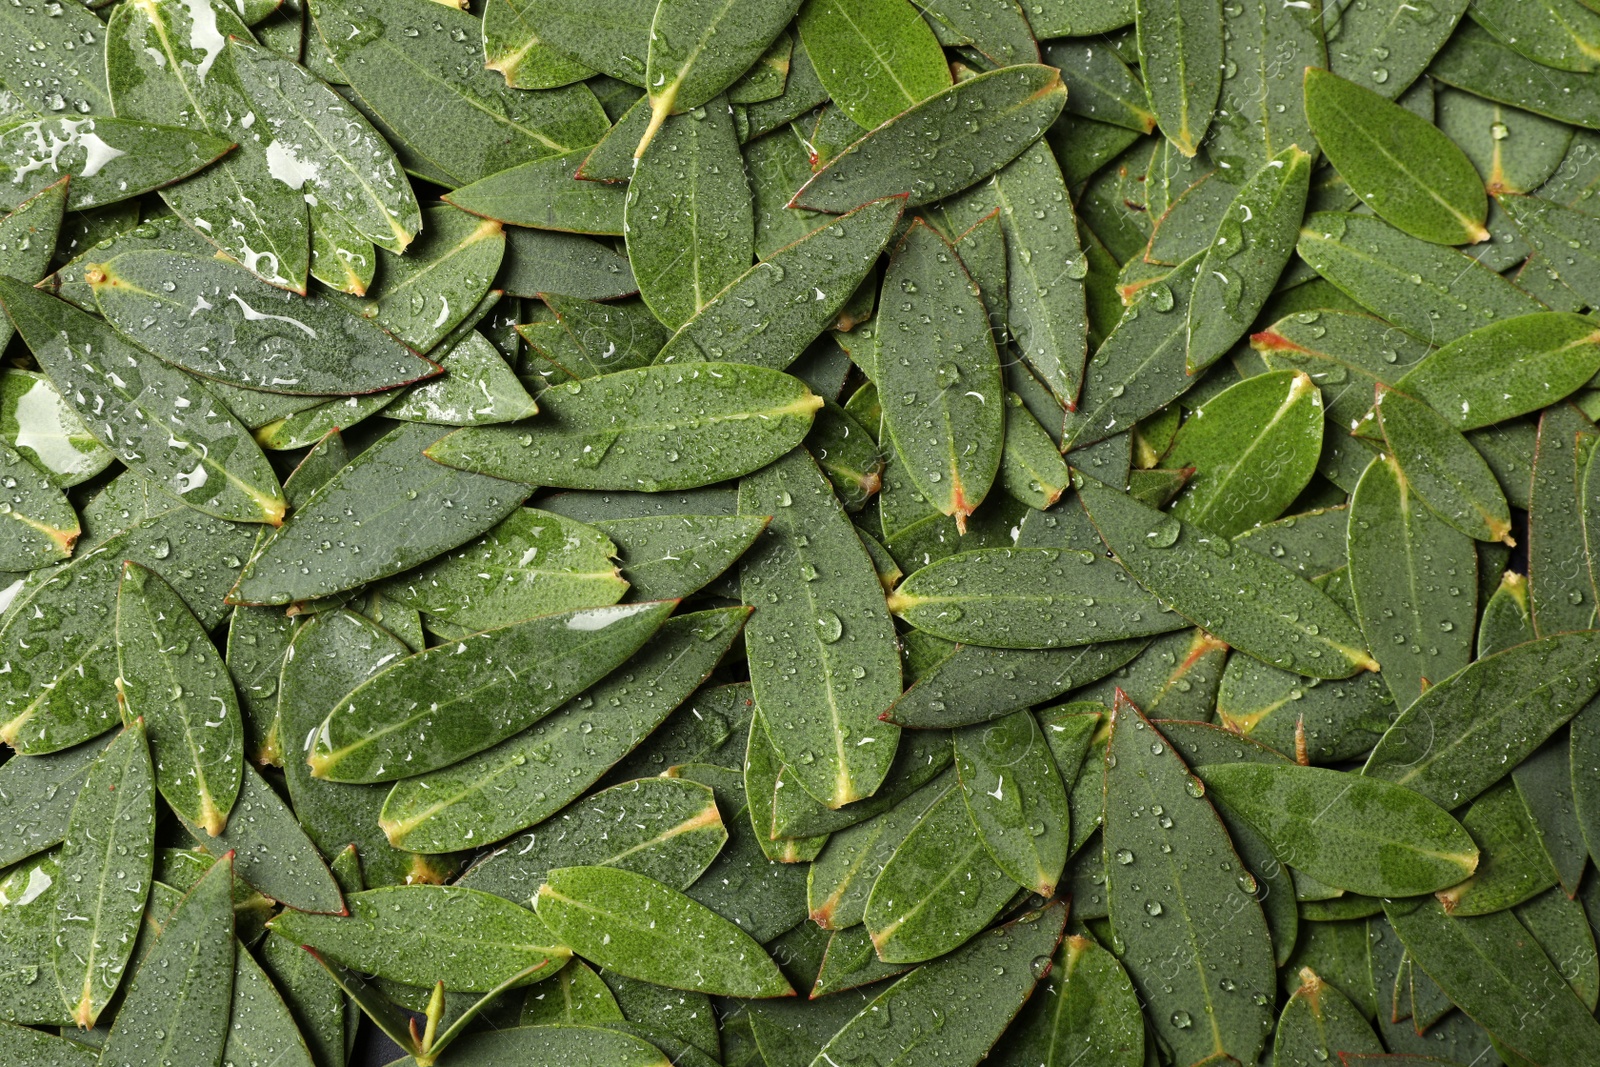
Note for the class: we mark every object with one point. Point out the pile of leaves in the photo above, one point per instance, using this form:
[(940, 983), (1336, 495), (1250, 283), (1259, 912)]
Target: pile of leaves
[(777, 534)]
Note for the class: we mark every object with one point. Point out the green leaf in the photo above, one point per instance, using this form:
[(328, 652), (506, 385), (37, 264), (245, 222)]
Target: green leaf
[(1449, 744), (326, 148), (1100, 86), (726, 419), (48, 44), (1561, 927), (171, 677), (340, 257), (614, 39), (1345, 353), (424, 295), (636, 926), (1399, 164), (763, 779), (1355, 833), (911, 1016), (675, 556), (938, 889), (1505, 620), (433, 92), (29, 921), (59, 639), (383, 731), (777, 165), (603, 338), (1562, 34), (23, 1045), (167, 62), (1386, 45), (972, 683), (1180, 54), (44, 429), (270, 850), (700, 47), (532, 563), (1499, 975), (1473, 122), (422, 934), (770, 313), (1288, 623), (688, 217), (1031, 468), (1514, 865), (1253, 448), (528, 1046), (1414, 582), (1448, 474), (1374, 264), (1012, 789), (1141, 366), (476, 389), (512, 47), (823, 660), (1319, 1023), (1560, 595), (876, 58), (1535, 360), (841, 878), (1182, 916), (1261, 109), (848, 455), (543, 194), (666, 828), (131, 399), (45, 525), (531, 776), (575, 995), (104, 876), (332, 654), (950, 150), (1085, 1010), (765, 80), (1252, 245), (938, 361), (28, 237), (1552, 230), (182, 994), (391, 475), (36, 797), (1029, 598), (254, 335), (1078, 18)]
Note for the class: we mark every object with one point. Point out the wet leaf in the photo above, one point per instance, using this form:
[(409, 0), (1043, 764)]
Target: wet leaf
[(1253, 448), (181, 996), (44, 429), (841, 878), (171, 677), (213, 318), (1399, 164), (1183, 907), (1099, 84), (1449, 744), (604, 433), (1434, 293), (688, 216), (1385, 46), (512, 47), (1253, 243), (941, 375), (36, 798), (421, 934), (48, 42), (614, 39), (1284, 620), (420, 69), (675, 556), (476, 389), (44, 525), (137, 404), (848, 455), (1560, 596), (638, 927), (1016, 798), (698, 48), (823, 660), (1031, 468), (532, 563), (1513, 865), (105, 869), (1261, 109), (938, 889), (383, 730), (168, 62), (1320, 1022), (767, 315), (952, 150), (392, 474), (1448, 474), (876, 58), (1029, 598), (543, 194), (559, 1043), (1180, 54), (532, 775), (1563, 239), (1414, 582)]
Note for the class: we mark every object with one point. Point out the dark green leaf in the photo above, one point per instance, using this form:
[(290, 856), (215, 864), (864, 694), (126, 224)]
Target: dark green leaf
[(876, 58), (1513, 866), (1180, 54), (1319, 1023), (1448, 474), (527, 1046), (638, 927), (543, 194), (28, 237), (1099, 84), (1016, 798), (44, 525), (531, 776), (1399, 164), (1386, 45), (1086, 1011), (952, 151), (512, 47), (391, 475), (44, 428), (36, 797), (1560, 595), (614, 39), (1261, 110), (1182, 915), (1465, 733), (49, 43), (421, 934)]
